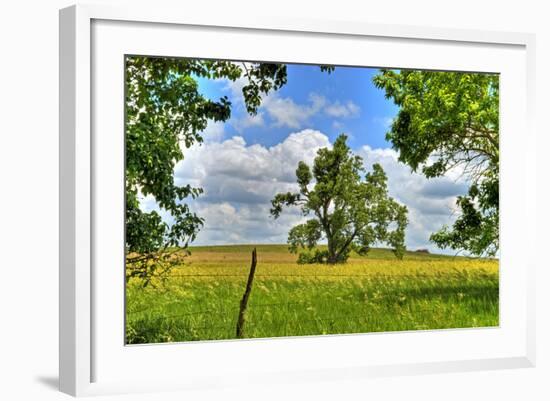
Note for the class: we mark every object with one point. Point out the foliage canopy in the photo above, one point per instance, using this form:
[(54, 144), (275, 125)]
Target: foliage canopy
[(166, 113), (351, 209), (449, 120)]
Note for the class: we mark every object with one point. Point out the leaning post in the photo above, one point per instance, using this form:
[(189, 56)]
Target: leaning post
[(244, 301)]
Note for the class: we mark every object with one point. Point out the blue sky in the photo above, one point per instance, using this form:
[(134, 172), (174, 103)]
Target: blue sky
[(245, 161), (343, 87)]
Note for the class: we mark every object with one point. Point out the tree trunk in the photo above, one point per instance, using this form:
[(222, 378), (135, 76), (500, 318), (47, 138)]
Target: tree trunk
[(331, 258)]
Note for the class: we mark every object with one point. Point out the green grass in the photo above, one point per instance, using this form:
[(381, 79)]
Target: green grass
[(200, 300)]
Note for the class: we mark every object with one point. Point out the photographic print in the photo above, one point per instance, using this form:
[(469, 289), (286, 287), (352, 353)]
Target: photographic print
[(276, 199)]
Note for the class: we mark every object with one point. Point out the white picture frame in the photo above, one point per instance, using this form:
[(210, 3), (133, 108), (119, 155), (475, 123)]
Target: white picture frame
[(93, 360)]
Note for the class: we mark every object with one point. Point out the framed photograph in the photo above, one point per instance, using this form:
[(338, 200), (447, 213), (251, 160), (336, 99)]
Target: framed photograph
[(277, 200)]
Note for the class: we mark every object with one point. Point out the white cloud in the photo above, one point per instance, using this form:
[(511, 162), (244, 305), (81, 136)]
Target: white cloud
[(236, 87), (234, 159), (431, 203), (342, 110), (241, 179), (214, 131), (243, 224), (248, 121), (284, 111)]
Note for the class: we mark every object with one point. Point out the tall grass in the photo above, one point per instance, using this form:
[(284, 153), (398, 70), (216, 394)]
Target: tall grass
[(200, 300)]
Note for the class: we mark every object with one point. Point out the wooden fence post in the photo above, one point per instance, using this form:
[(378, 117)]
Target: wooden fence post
[(244, 301)]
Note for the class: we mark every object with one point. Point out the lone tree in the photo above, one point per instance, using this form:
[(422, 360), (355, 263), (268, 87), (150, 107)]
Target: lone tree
[(352, 213), (450, 120), (165, 114)]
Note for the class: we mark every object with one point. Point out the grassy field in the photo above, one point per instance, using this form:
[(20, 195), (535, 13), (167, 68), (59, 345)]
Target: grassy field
[(200, 300)]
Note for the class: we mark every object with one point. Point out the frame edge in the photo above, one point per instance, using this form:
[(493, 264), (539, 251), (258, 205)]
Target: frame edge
[(75, 345), (67, 112), (74, 201)]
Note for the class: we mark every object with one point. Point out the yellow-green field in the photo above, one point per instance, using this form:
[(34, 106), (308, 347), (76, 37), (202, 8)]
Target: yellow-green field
[(200, 299)]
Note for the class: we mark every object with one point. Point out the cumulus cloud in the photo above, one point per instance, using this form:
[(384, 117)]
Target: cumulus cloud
[(214, 131), (241, 223), (431, 202), (248, 120), (285, 112), (234, 158), (337, 109), (239, 181)]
